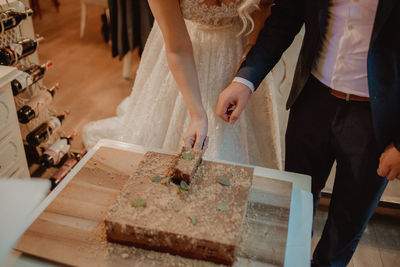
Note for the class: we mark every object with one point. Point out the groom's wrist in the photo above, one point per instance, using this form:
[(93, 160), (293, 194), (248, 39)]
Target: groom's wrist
[(245, 82)]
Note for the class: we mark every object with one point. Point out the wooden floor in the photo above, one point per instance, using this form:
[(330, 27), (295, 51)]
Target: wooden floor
[(379, 246), (91, 86), (91, 82)]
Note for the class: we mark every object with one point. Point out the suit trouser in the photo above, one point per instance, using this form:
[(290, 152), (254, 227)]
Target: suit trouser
[(323, 128)]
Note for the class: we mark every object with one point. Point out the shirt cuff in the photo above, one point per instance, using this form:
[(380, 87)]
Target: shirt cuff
[(245, 82)]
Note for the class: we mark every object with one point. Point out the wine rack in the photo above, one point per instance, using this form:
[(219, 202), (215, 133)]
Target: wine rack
[(32, 113)]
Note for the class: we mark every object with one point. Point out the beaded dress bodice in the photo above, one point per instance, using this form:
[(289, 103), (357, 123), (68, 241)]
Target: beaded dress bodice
[(210, 12)]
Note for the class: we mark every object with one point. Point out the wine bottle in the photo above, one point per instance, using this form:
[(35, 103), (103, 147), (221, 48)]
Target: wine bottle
[(53, 155), (66, 168), (11, 54), (42, 133), (28, 77), (31, 109), (12, 18)]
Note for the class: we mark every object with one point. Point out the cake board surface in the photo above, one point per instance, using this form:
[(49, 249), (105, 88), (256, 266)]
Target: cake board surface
[(71, 229)]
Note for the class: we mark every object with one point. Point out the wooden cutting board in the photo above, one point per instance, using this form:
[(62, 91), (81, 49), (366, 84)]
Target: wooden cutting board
[(71, 229)]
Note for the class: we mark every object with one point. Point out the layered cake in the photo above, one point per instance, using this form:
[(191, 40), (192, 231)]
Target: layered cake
[(200, 220)]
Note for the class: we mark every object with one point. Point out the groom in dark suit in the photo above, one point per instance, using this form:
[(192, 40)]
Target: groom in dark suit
[(344, 105)]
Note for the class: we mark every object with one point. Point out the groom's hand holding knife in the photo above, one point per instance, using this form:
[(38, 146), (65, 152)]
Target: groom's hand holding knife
[(232, 101)]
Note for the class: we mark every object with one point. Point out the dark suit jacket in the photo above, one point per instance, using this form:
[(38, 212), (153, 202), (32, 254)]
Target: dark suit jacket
[(383, 63)]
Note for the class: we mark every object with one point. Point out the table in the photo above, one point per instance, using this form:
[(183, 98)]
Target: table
[(300, 219), (18, 198)]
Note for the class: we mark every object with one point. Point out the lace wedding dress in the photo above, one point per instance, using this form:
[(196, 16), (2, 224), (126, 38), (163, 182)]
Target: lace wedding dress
[(155, 114)]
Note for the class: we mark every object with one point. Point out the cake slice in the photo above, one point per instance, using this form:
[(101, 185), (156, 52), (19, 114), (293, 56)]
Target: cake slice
[(185, 165)]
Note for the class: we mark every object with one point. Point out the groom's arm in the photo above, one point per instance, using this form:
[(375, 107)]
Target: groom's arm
[(286, 20)]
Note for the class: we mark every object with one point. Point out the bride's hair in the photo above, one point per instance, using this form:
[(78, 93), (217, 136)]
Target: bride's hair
[(245, 10)]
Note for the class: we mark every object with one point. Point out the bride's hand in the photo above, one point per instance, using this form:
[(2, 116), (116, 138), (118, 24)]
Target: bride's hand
[(195, 135)]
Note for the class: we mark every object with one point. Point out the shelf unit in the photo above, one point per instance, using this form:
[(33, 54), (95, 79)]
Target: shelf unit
[(12, 155)]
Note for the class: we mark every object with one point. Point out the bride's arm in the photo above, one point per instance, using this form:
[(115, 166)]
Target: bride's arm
[(181, 62)]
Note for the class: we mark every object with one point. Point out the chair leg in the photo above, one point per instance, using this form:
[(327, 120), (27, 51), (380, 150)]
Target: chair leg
[(127, 65), (83, 19), (36, 7), (109, 24), (56, 4)]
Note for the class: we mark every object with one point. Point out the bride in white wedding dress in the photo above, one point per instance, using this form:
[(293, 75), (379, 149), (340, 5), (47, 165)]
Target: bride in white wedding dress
[(190, 56)]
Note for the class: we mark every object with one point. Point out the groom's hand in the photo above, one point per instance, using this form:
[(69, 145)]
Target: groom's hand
[(389, 163), (232, 101)]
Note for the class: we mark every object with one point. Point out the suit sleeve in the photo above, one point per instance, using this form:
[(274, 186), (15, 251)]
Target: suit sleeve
[(286, 20)]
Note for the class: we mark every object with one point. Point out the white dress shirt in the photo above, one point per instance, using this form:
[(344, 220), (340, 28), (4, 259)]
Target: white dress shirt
[(342, 61)]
